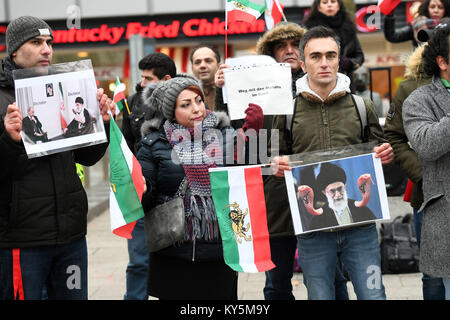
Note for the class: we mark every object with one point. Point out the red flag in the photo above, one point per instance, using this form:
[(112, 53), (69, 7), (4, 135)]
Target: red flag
[(386, 6)]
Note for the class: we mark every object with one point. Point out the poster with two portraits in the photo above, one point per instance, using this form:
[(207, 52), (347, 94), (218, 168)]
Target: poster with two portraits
[(59, 108), (336, 188)]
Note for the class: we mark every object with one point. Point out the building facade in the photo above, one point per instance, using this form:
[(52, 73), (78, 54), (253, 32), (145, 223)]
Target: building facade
[(101, 30)]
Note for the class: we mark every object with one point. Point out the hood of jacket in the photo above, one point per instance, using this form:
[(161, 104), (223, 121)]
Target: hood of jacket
[(6, 68), (414, 65), (341, 89), (282, 31)]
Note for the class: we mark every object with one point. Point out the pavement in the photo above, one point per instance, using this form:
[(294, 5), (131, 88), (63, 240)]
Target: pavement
[(108, 258)]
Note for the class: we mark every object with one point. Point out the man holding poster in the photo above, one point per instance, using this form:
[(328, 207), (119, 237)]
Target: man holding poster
[(324, 94), (43, 205), (281, 43)]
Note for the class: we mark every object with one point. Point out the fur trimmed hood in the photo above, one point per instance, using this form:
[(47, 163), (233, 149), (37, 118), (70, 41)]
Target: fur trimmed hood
[(414, 65), (155, 123), (282, 31)]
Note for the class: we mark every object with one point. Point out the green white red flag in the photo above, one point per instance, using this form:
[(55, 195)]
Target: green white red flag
[(273, 13), (243, 10), (238, 196), (127, 185), (386, 6), (119, 96)]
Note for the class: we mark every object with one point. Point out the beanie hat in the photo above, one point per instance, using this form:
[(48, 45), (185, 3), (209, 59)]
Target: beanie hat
[(165, 95), (330, 173), (24, 28)]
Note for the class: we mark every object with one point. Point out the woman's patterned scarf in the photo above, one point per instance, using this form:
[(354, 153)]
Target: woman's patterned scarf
[(197, 149)]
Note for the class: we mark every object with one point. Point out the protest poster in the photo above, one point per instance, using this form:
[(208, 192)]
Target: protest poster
[(269, 86), (337, 193), (59, 108)]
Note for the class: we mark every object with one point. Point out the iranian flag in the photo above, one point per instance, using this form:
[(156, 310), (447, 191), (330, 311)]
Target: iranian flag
[(273, 14), (386, 6), (119, 96), (127, 185), (238, 196), (243, 10)]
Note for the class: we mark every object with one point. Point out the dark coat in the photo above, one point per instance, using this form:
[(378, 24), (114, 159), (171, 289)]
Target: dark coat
[(139, 112), (76, 128), (32, 128), (395, 35), (328, 218), (163, 177), (42, 200)]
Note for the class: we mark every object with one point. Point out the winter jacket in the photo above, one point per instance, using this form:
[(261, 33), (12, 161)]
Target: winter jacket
[(394, 35), (316, 125), (404, 156), (42, 200), (164, 176), (426, 117), (131, 123), (351, 56)]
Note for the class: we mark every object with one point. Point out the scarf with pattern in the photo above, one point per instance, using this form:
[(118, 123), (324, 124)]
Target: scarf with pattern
[(196, 151)]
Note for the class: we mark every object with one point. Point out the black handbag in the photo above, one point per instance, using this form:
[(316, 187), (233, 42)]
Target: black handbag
[(164, 224)]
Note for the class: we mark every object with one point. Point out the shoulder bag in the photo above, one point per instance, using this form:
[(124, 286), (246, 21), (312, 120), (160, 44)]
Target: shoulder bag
[(164, 224)]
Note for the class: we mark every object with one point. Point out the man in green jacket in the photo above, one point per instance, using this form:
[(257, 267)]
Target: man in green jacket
[(325, 117), (281, 43)]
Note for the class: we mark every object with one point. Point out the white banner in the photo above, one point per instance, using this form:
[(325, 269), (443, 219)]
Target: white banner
[(269, 86)]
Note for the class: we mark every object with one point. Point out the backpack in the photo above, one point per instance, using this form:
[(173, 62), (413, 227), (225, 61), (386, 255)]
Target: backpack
[(360, 105), (399, 249)]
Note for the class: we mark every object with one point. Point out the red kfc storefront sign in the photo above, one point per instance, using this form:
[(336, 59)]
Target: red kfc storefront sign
[(174, 29)]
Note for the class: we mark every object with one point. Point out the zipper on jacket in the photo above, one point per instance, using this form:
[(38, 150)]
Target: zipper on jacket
[(325, 125)]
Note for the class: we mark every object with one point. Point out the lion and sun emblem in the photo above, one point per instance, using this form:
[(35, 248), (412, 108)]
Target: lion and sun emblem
[(237, 222)]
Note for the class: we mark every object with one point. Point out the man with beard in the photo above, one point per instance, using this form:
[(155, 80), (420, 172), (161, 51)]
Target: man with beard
[(339, 209), (82, 123)]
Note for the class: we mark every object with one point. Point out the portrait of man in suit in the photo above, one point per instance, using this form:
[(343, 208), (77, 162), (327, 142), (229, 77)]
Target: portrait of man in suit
[(33, 127)]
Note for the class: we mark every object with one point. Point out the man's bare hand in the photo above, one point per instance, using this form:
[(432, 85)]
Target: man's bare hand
[(105, 104), (385, 152), (13, 122), (219, 79), (279, 165)]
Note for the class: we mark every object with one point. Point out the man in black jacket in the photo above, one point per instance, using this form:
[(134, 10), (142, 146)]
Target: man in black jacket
[(155, 67), (43, 206)]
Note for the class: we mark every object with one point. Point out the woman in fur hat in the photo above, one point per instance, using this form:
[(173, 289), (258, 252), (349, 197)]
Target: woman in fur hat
[(178, 145)]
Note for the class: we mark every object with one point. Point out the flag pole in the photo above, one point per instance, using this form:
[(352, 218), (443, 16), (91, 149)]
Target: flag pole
[(226, 31), (281, 10)]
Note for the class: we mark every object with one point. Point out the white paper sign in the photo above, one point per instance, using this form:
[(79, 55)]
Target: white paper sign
[(60, 111), (268, 86)]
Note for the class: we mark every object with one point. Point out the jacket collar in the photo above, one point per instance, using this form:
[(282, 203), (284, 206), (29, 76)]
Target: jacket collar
[(440, 94), (342, 88)]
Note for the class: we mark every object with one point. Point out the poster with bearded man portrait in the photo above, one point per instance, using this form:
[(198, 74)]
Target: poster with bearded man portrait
[(337, 193)]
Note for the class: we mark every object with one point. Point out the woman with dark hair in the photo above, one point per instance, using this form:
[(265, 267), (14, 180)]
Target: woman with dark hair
[(180, 144), (332, 14), (428, 15)]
